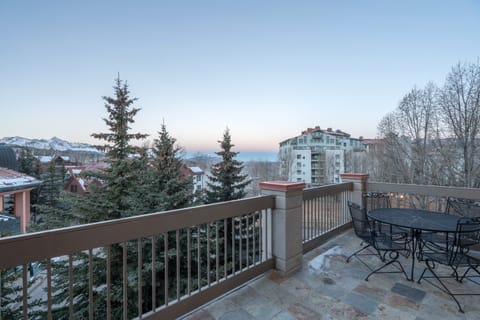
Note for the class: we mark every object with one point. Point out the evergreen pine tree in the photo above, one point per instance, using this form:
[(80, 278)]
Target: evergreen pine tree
[(175, 190), (27, 163), (226, 181), (112, 200), (11, 293), (52, 210)]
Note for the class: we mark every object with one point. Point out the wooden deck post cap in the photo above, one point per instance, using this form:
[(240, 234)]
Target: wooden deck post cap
[(282, 185)]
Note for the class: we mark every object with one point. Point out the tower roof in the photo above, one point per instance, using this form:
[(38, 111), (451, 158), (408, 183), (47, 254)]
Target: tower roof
[(8, 158)]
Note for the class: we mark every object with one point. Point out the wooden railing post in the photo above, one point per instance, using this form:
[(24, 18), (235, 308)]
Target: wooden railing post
[(359, 185), (287, 244)]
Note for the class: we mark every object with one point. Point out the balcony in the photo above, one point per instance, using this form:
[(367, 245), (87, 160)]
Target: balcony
[(261, 250)]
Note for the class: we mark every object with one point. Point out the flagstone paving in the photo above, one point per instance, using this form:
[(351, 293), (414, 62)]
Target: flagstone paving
[(329, 288)]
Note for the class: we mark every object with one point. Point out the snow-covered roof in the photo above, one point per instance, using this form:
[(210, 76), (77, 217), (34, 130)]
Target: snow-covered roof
[(196, 170), (4, 217), (45, 159), (64, 158), (81, 182), (11, 180), (96, 166), (76, 171)]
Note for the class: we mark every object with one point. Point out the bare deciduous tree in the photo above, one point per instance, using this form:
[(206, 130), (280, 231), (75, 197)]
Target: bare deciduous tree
[(459, 101), (417, 114), (393, 151)]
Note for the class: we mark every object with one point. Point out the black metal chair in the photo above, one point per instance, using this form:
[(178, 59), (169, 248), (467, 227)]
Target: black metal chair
[(463, 207), (435, 241), (378, 200), (456, 206), (375, 243), (456, 256)]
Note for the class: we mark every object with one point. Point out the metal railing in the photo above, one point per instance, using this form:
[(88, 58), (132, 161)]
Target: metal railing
[(166, 264), (152, 266), (325, 211), (432, 198)]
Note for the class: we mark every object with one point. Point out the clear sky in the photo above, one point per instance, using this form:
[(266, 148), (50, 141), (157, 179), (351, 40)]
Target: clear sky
[(265, 69)]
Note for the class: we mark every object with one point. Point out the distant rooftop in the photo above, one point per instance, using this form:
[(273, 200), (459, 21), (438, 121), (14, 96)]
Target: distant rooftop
[(328, 131), (196, 169), (8, 159), (11, 180)]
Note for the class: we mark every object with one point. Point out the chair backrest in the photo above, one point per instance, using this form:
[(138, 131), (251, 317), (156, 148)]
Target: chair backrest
[(463, 207), (468, 232), (376, 200), (361, 224)]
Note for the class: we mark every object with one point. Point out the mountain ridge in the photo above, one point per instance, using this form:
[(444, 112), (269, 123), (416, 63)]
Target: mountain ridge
[(54, 143)]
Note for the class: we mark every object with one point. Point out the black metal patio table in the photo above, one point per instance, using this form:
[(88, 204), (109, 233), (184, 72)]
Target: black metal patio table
[(417, 221)]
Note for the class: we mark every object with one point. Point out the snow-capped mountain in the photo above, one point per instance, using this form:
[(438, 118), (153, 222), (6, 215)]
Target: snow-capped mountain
[(54, 143)]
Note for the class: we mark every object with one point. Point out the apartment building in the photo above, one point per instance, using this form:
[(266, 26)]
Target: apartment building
[(318, 156)]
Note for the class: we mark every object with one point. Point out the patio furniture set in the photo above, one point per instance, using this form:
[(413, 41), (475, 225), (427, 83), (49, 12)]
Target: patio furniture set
[(447, 243)]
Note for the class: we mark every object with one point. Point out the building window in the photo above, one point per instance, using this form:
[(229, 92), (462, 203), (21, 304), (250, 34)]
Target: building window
[(299, 156), (73, 188)]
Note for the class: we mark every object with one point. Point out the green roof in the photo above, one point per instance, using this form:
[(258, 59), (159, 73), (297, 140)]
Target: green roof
[(8, 159)]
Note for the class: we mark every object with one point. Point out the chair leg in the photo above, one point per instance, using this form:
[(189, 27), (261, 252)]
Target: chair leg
[(356, 252), (474, 268), (444, 288), (402, 270)]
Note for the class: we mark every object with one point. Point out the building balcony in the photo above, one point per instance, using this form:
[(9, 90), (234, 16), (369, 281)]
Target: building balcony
[(265, 252)]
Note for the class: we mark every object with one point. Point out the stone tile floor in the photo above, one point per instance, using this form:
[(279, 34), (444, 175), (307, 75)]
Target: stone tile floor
[(328, 288)]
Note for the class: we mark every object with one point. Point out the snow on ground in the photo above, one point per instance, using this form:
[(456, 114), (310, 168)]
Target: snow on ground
[(321, 263)]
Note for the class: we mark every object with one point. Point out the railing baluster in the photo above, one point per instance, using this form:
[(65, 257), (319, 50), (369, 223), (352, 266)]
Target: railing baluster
[(247, 246), (154, 273), (109, 285), (217, 260), (165, 268), (49, 288), (189, 263), (139, 277), (316, 209), (208, 254), (232, 223), (25, 291), (263, 234), (268, 234), (125, 280), (90, 284), (177, 234), (225, 246), (70, 285), (199, 260), (254, 239), (240, 248)]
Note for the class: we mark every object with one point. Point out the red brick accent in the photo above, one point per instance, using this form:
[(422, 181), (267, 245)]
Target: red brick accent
[(282, 185)]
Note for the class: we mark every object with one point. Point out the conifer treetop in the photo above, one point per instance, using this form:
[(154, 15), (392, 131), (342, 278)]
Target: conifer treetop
[(120, 116), (226, 181)]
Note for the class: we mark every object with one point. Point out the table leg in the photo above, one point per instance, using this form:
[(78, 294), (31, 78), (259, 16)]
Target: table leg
[(414, 249)]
